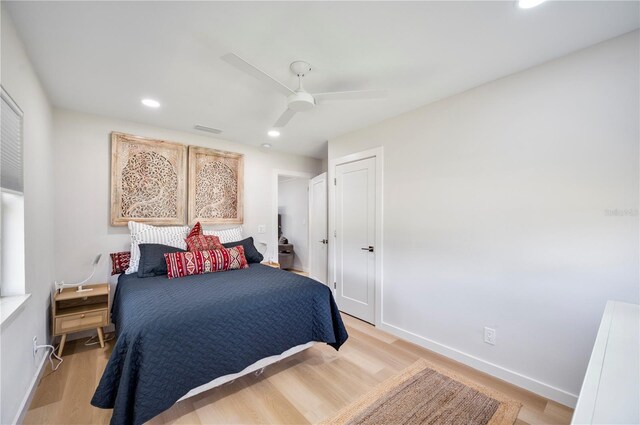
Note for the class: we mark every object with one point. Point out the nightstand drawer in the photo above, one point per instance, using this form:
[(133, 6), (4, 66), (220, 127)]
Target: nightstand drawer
[(74, 322)]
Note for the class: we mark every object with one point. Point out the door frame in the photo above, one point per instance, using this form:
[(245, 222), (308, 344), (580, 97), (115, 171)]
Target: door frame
[(378, 154), (326, 266), (273, 233)]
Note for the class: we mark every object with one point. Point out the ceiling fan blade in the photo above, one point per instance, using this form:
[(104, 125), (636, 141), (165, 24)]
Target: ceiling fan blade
[(244, 66), (351, 95), (284, 118)]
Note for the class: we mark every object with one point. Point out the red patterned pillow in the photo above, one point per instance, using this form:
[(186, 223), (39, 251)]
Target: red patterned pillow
[(203, 243), (180, 264), (119, 262), (196, 230)]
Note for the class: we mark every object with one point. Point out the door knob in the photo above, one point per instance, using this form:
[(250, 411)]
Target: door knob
[(370, 249), (324, 241)]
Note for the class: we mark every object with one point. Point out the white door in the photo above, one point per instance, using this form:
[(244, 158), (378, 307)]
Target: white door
[(355, 238), (318, 228)]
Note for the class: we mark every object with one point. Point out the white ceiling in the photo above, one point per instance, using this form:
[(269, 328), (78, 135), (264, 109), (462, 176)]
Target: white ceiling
[(103, 57)]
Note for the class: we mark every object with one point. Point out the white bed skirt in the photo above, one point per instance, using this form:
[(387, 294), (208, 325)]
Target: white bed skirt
[(260, 364)]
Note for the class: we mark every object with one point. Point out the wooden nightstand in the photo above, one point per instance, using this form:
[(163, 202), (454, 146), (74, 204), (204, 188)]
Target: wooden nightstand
[(271, 264), (78, 311)]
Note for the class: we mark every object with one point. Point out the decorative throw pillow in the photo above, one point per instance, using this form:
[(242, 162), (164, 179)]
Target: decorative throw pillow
[(145, 233), (181, 264), (226, 235), (203, 243), (250, 252), (196, 230), (152, 262), (119, 262)]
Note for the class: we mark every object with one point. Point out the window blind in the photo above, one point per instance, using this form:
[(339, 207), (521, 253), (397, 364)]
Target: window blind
[(10, 145)]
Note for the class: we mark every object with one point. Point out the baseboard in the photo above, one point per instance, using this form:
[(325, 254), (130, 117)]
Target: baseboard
[(510, 376), (26, 402)]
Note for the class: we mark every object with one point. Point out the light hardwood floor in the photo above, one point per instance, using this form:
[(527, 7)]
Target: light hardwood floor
[(305, 388)]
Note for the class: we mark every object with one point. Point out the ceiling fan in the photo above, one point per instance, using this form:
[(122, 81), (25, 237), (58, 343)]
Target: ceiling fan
[(298, 100)]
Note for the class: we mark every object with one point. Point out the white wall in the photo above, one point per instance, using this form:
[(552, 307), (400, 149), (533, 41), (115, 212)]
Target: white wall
[(495, 214), (82, 204), (293, 207), (17, 366)]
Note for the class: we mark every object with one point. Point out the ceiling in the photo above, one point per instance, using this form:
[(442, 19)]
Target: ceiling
[(104, 57)]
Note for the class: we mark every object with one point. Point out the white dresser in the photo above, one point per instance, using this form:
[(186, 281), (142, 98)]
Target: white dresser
[(610, 392)]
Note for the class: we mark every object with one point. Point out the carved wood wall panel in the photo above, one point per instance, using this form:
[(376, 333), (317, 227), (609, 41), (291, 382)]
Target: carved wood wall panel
[(148, 180), (216, 185)]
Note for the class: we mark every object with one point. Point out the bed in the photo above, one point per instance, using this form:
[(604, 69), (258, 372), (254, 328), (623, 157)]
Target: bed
[(177, 337)]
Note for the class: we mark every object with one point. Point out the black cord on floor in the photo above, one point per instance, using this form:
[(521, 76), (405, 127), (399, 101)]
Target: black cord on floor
[(94, 339)]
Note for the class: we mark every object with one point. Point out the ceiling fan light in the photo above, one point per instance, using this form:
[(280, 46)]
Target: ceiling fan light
[(528, 4), (151, 103)]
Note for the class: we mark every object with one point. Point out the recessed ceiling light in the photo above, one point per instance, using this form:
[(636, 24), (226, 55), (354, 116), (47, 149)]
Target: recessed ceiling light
[(528, 4), (273, 133), (266, 145), (151, 103)]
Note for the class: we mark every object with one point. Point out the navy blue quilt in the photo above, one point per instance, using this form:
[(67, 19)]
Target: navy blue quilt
[(177, 334)]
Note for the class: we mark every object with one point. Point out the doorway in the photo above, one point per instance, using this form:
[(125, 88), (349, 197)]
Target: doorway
[(290, 240)]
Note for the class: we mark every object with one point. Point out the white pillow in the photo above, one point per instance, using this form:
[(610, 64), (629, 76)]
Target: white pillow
[(226, 235), (145, 233)]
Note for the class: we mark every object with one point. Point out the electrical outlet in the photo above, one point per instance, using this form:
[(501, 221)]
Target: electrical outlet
[(35, 345), (490, 336), (261, 228)]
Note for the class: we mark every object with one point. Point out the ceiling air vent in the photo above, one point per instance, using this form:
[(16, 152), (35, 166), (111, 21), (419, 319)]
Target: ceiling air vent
[(207, 129)]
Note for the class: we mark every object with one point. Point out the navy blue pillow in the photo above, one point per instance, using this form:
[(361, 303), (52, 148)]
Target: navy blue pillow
[(152, 262), (250, 252)]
